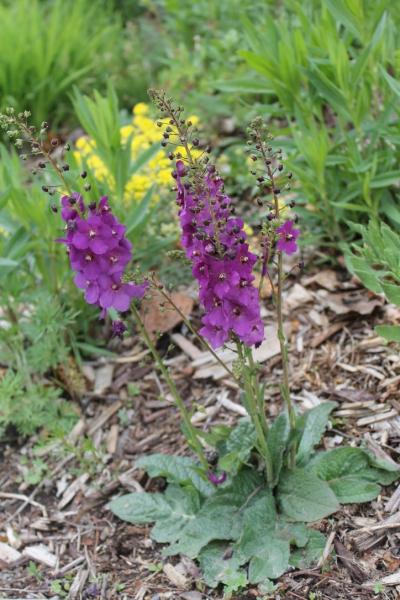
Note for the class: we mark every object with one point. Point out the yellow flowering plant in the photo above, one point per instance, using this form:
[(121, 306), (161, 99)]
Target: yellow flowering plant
[(126, 162)]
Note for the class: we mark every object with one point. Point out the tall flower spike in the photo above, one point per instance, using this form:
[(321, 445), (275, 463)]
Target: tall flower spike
[(99, 253), (215, 242)]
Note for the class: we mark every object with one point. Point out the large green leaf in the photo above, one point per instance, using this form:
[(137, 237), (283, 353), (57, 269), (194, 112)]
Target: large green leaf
[(175, 469), (304, 497), (170, 511), (314, 423), (352, 473), (270, 561), (219, 517)]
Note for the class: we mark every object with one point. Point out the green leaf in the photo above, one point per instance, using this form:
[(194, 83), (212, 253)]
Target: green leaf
[(314, 423), (306, 557), (138, 216), (368, 276), (305, 497), (244, 85), (175, 469), (385, 179), (272, 560), (392, 292), (352, 473), (277, 439), (217, 568), (391, 81), (391, 333), (140, 507), (238, 446), (171, 511), (219, 517)]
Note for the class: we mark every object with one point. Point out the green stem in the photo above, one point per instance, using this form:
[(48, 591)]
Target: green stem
[(190, 430), (252, 408)]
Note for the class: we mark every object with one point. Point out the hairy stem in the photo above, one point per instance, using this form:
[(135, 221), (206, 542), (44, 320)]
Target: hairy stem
[(252, 407)]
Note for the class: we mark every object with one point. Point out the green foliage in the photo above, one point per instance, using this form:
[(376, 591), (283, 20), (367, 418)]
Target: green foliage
[(32, 344), (375, 260), (244, 531), (46, 47), (327, 68)]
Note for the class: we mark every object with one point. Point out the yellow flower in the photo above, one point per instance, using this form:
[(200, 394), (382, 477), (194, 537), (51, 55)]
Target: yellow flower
[(140, 109)]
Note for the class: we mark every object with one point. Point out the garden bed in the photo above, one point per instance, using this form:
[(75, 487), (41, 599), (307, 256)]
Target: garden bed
[(70, 543)]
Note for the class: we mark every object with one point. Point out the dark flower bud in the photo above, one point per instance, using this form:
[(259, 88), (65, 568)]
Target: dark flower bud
[(84, 174), (292, 204), (280, 167), (65, 167), (164, 143), (271, 216), (260, 179), (42, 165), (196, 142), (87, 187), (44, 125), (54, 208), (166, 136), (171, 156), (301, 265), (45, 188), (277, 191), (92, 206), (54, 142), (259, 202), (67, 147), (290, 175)]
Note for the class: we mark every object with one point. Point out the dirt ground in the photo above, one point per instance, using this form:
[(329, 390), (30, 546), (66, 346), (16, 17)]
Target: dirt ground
[(65, 542)]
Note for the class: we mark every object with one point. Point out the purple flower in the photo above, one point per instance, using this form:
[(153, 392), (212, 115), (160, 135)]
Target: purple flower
[(216, 479), (215, 242), (118, 328), (98, 252), (287, 238)]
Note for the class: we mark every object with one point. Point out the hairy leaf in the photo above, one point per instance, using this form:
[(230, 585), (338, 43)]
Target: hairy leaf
[(303, 558), (175, 469), (314, 423), (305, 497), (218, 566)]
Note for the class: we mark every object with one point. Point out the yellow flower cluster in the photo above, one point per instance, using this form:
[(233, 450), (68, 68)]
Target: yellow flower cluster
[(143, 133)]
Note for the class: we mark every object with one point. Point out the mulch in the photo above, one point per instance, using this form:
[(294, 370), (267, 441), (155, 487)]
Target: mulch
[(67, 544)]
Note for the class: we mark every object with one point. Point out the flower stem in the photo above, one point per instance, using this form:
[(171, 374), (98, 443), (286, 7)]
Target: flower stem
[(252, 406), (190, 430), (285, 386)]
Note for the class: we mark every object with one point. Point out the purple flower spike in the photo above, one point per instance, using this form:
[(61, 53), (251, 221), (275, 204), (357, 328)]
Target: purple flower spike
[(287, 238), (215, 242), (216, 479), (118, 328), (99, 252)]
